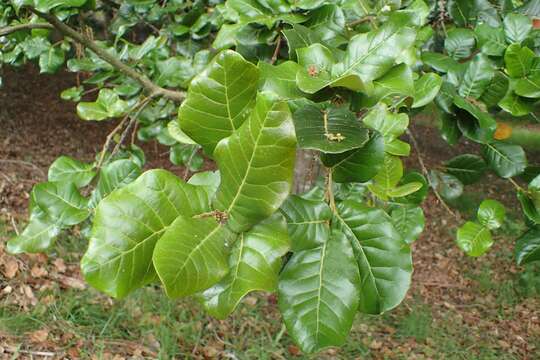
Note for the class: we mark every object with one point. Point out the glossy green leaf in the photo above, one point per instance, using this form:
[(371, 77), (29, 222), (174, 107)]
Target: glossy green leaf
[(496, 90), (447, 185), (516, 105), (474, 239), (491, 214), (280, 79), (491, 40), (388, 176), (461, 11), (527, 247), (460, 43), (299, 37), (409, 222), (332, 130), (307, 222), (486, 124), (425, 89), (177, 134), (528, 87), (318, 294), (51, 61), (477, 77), (70, 170), (532, 213), (467, 168), (517, 27), (191, 255), (254, 264), (359, 165), (390, 125), (107, 105), (62, 202), (38, 236), (113, 176), (440, 62), (518, 60), (506, 160), (47, 5), (127, 225), (405, 189), (383, 258), (219, 99), (397, 82), (397, 147), (256, 165)]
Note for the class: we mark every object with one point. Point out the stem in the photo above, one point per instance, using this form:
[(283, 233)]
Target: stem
[(153, 89), (425, 172), (188, 163), (276, 51), (140, 107), (516, 185), (330, 191), (11, 29)]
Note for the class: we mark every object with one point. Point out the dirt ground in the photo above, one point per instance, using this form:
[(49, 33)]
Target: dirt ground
[(478, 296)]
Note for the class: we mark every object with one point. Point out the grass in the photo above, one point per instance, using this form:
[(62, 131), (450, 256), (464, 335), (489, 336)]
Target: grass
[(178, 329)]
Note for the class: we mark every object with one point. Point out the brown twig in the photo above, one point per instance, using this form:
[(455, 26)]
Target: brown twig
[(152, 89), (14, 28), (426, 174), (276, 50)]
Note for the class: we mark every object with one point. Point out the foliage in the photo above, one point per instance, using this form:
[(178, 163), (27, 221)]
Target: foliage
[(263, 79)]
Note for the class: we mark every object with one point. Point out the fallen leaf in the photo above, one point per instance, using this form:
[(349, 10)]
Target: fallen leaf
[(39, 336), (10, 268), (293, 350), (38, 271), (60, 265)]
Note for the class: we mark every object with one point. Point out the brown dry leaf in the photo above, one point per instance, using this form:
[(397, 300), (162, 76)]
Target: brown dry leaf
[(10, 268), (38, 271), (294, 350), (375, 345), (72, 282), (60, 265), (39, 336)]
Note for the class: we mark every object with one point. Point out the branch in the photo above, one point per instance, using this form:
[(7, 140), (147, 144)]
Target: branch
[(11, 29), (153, 89)]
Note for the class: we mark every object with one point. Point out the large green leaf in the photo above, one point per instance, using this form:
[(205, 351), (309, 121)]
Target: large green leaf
[(318, 294), (528, 87), (256, 164), (62, 202), (517, 27), (383, 258), (519, 60), (506, 160), (477, 77), (516, 105), (38, 236), (307, 222), (254, 264), (192, 254), (127, 225), (359, 165), (113, 176), (490, 39), (409, 222), (70, 170), (332, 130), (528, 247), (474, 239), (467, 168), (219, 99), (459, 43)]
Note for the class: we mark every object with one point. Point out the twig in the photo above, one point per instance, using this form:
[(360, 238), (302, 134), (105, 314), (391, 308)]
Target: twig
[(14, 226), (140, 107), (13, 350), (426, 174), (108, 141), (276, 50), (188, 163), (22, 162), (153, 89), (11, 29)]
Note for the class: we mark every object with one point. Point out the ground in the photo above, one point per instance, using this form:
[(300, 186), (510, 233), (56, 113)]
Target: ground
[(457, 308)]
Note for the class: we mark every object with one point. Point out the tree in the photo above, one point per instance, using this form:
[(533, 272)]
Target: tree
[(250, 82)]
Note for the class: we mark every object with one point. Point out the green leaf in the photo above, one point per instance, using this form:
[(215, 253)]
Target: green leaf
[(359, 165), (256, 164), (62, 202), (70, 170), (307, 222), (447, 185), (127, 225), (477, 77), (398, 148), (177, 134), (299, 37), (280, 79), (528, 87), (390, 125), (474, 239), (425, 89), (50, 61), (397, 82), (318, 294), (404, 190), (518, 60), (506, 160), (209, 180), (47, 5), (191, 255), (491, 40), (527, 247), (387, 177), (113, 176), (496, 90), (516, 105), (254, 264), (417, 197), (491, 214), (517, 27), (107, 105), (219, 99), (467, 168), (38, 236), (459, 43), (333, 130), (383, 258), (486, 123), (440, 62), (73, 93), (409, 222), (461, 11), (529, 208)]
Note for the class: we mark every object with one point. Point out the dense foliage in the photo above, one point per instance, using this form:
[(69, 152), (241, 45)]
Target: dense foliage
[(248, 83)]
